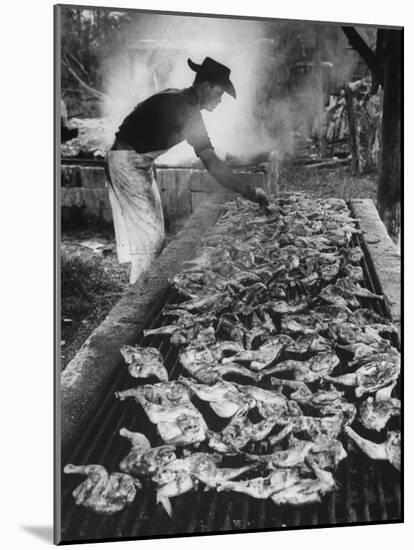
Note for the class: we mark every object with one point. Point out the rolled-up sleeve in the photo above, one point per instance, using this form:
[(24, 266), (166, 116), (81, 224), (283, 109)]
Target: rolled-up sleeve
[(196, 133)]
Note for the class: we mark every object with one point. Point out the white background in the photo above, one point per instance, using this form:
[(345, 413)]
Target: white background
[(26, 183)]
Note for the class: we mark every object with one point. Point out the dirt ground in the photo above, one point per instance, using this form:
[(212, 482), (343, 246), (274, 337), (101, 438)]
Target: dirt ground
[(92, 280)]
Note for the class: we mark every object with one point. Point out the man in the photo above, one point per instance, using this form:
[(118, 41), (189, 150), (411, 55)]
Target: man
[(154, 126)]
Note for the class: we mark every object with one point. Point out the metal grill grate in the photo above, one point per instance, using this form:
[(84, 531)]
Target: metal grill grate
[(367, 491)]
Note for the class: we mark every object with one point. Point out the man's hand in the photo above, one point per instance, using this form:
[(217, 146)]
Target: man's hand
[(256, 194)]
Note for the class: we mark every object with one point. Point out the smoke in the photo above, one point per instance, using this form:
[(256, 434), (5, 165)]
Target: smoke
[(156, 58)]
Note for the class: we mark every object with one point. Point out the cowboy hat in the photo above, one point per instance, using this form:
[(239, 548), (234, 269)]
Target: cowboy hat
[(215, 72)]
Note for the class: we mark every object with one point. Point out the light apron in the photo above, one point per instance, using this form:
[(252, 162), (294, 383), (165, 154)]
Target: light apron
[(136, 208)]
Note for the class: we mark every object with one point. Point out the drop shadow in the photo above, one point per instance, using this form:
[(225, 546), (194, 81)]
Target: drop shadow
[(43, 532)]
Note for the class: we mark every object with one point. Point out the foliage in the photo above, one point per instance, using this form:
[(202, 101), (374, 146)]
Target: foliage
[(88, 38)]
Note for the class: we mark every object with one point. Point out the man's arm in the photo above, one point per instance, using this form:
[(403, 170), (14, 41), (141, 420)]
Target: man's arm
[(228, 179)]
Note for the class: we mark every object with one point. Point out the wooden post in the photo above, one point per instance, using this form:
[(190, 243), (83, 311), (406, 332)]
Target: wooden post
[(389, 183), (273, 173), (352, 130)]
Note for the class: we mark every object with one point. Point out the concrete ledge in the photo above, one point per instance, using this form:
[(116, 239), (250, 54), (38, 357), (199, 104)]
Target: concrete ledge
[(382, 253), (84, 380)]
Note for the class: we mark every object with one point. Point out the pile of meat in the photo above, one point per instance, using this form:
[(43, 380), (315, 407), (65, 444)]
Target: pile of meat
[(278, 341)]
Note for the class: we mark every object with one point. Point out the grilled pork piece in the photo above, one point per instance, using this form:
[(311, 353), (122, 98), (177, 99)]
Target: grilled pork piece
[(377, 373), (144, 362), (389, 450), (101, 492), (142, 459), (317, 367), (375, 413)]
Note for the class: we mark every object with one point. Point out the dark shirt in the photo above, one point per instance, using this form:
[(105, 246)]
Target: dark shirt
[(163, 120)]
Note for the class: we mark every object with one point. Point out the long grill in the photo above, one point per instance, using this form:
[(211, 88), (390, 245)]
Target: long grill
[(367, 491)]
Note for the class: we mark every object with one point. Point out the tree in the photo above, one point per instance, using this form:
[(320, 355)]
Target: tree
[(385, 64)]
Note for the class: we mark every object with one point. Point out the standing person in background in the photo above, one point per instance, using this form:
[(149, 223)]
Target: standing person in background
[(153, 127)]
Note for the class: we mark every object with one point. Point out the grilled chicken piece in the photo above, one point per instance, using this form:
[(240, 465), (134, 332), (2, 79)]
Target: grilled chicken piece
[(294, 455), (348, 333), (232, 327), (329, 314), (188, 329), (318, 430), (372, 376), (265, 355), (270, 403), (144, 362), (262, 326), (179, 484), (364, 316), (264, 487), (306, 344), (213, 303), (315, 368), (363, 352), (329, 272), (163, 395), (182, 475), (168, 406), (325, 402), (101, 492), (353, 272), (203, 364), (325, 456), (239, 432), (354, 254), (375, 414), (355, 288), (207, 374), (306, 491), (389, 450), (225, 398), (286, 307), (301, 324), (286, 486), (142, 459), (183, 426), (203, 467), (339, 296)]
